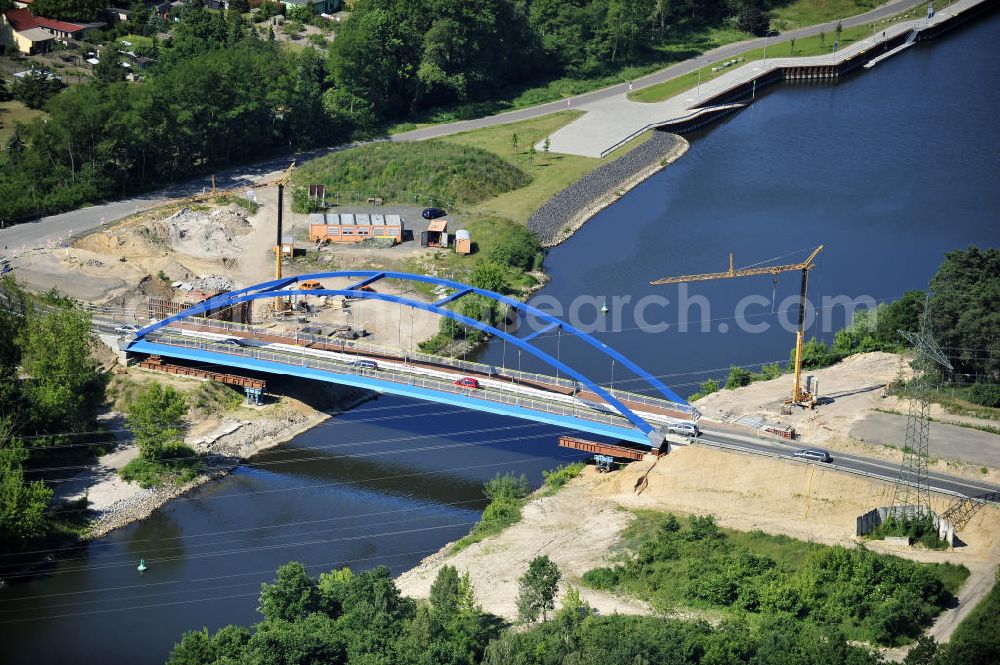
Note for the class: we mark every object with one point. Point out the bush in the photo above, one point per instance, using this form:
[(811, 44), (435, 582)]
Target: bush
[(506, 486), (179, 465), (601, 578), (562, 474), (519, 249), (706, 388), (985, 394)]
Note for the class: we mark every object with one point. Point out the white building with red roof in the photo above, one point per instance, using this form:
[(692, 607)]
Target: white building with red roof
[(34, 34)]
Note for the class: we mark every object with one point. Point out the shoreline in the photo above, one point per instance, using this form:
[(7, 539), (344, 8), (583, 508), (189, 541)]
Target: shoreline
[(569, 209), (140, 506), (575, 223)]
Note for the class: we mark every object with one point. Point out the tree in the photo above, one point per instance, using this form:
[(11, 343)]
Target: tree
[(738, 377), (545, 147), (445, 593), (35, 88), (239, 6), (838, 30), (109, 66), (293, 595), (965, 311), (78, 10), (23, 504), (791, 46), (15, 145), (513, 143), (531, 154), (537, 589), (490, 276), (65, 388), (156, 419)]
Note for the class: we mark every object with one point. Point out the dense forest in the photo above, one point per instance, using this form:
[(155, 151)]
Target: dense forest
[(218, 92)]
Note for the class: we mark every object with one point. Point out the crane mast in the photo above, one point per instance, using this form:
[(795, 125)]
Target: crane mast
[(800, 397)]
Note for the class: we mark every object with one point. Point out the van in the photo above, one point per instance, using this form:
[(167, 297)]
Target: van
[(366, 364), (814, 454)]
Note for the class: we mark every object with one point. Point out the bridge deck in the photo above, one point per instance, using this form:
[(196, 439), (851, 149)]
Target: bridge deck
[(534, 396)]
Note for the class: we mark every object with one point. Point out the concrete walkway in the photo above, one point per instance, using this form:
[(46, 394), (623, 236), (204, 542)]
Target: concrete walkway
[(612, 120)]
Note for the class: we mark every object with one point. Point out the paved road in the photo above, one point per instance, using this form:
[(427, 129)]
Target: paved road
[(57, 228), (681, 68), (867, 465)]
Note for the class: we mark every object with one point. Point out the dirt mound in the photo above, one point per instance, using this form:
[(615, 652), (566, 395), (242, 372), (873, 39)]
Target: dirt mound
[(206, 234)]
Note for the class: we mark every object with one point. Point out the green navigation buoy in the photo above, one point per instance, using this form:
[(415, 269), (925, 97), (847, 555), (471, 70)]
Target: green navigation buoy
[(142, 566)]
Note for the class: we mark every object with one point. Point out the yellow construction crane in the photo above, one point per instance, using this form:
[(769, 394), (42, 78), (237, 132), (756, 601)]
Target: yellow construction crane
[(800, 397)]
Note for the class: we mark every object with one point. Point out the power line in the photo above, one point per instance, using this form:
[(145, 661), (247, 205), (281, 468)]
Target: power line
[(116, 559), (199, 600), (337, 445), (275, 525)]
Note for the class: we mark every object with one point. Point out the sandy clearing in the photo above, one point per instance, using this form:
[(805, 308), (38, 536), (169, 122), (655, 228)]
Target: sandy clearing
[(855, 388), (580, 526)]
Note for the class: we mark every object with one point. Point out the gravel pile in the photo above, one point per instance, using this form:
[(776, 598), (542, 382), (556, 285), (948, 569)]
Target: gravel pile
[(562, 208), (208, 234), (211, 283)]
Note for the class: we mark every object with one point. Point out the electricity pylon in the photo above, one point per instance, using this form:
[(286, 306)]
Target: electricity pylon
[(912, 490)]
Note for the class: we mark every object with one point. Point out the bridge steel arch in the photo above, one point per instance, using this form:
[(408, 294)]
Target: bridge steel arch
[(276, 289)]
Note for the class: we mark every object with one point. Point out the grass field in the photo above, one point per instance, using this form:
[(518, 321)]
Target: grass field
[(550, 173), (804, 47), (813, 12), (12, 113)]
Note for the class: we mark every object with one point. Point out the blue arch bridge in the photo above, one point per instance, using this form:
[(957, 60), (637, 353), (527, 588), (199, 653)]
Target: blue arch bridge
[(570, 399)]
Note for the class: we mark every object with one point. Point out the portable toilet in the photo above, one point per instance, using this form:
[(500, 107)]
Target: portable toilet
[(463, 242)]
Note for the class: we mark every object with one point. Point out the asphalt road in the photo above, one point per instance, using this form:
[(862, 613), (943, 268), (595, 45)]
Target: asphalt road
[(58, 228), (852, 463), (681, 68)]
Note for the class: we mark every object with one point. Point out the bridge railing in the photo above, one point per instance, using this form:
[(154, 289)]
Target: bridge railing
[(467, 366), (510, 397)]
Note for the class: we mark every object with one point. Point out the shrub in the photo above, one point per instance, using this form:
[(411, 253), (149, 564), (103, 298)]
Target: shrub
[(601, 578), (519, 249), (506, 486), (562, 474), (985, 394)]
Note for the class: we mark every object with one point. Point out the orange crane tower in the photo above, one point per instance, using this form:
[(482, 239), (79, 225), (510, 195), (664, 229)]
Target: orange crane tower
[(799, 397)]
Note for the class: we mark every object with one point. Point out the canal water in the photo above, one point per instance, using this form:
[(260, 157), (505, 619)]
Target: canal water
[(888, 169)]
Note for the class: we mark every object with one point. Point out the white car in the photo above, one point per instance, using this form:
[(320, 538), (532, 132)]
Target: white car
[(127, 329), (684, 429)]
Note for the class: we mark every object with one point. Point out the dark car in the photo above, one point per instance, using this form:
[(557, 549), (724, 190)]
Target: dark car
[(433, 213)]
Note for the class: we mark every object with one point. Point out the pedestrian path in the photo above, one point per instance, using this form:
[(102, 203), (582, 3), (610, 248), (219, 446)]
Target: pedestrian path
[(613, 121)]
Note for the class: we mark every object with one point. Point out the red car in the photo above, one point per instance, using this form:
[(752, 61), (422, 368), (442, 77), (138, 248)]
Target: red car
[(467, 382)]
